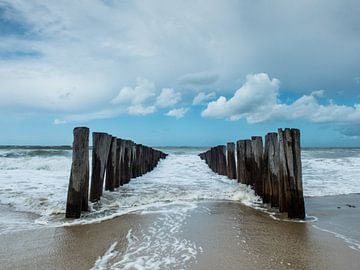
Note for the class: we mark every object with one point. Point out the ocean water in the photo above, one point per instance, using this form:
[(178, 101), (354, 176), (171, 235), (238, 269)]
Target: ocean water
[(34, 182)]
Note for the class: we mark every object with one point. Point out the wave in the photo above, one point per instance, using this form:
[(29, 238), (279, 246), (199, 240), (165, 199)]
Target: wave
[(37, 183), (35, 153)]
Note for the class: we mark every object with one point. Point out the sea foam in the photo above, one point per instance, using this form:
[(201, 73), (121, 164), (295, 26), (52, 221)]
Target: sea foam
[(35, 181)]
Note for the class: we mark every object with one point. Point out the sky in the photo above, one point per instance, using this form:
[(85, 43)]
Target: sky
[(195, 73)]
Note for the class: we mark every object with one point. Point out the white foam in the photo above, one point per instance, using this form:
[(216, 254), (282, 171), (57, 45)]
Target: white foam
[(103, 261), (331, 171), (38, 184), (158, 246), (352, 243)]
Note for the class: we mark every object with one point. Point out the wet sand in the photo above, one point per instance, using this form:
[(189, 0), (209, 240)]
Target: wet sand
[(248, 239), (231, 235)]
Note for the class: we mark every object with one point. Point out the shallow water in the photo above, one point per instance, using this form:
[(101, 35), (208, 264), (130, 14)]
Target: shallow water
[(39, 185), (34, 180), (33, 189)]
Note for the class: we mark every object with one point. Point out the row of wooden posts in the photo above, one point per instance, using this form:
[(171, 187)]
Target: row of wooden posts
[(274, 171), (114, 161)]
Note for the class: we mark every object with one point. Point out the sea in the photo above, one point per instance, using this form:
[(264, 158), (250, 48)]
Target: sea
[(34, 182)]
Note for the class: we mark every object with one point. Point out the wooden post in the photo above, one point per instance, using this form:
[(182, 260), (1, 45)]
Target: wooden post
[(271, 165), (241, 165), (138, 160), (79, 176), (291, 192), (122, 162), (118, 163), (132, 159), (297, 205), (212, 159), (231, 166), (283, 171), (142, 160), (111, 166), (249, 160), (257, 167), (208, 157), (127, 161), (126, 173), (222, 159), (101, 147)]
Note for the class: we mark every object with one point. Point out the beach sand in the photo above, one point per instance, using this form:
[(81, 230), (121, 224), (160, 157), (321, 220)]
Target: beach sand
[(231, 235)]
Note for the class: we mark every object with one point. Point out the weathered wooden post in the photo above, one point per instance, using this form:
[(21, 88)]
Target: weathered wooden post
[(137, 160), (271, 165), (145, 158), (208, 157), (231, 166), (222, 159), (249, 160), (126, 173), (257, 167), (122, 162), (142, 160), (213, 159), (151, 159), (118, 164), (111, 167), (240, 156), (101, 147), (79, 176), (132, 159), (291, 197)]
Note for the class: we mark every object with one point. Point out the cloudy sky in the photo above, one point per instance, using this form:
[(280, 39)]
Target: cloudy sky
[(180, 72)]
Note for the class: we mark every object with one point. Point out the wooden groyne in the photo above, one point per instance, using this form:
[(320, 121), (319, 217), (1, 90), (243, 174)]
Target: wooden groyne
[(114, 162), (273, 170)]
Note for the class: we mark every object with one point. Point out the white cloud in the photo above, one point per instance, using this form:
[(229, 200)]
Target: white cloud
[(138, 99), (177, 113), (201, 97), (87, 116), (141, 109), (141, 93), (258, 93), (258, 101), (73, 57), (59, 121), (167, 98)]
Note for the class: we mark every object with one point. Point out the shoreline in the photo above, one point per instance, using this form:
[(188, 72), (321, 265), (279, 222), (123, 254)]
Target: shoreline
[(230, 235)]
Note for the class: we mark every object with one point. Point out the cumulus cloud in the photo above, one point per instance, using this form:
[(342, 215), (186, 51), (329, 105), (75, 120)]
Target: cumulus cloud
[(77, 59), (167, 98), (137, 98), (141, 93), (201, 97), (258, 93), (142, 99), (258, 101), (140, 109), (177, 113)]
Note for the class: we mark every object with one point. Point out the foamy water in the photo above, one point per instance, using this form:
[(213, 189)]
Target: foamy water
[(331, 171), (33, 190), (38, 185), (35, 181)]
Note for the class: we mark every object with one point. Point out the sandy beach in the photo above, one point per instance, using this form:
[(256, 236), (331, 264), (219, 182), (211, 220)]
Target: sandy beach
[(229, 236)]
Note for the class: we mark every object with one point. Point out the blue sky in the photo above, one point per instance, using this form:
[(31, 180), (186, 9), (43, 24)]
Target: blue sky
[(179, 72)]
